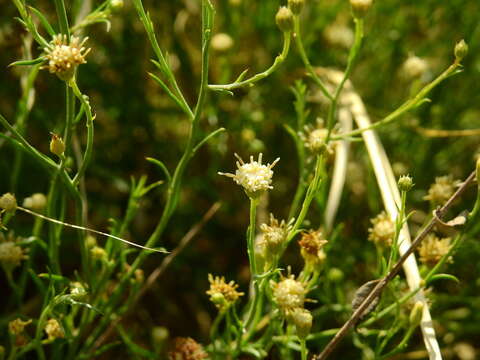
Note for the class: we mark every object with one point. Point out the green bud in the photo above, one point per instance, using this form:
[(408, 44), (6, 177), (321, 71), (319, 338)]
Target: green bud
[(57, 146), (416, 314), (405, 183), (461, 50), (8, 202), (302, 318), (360, 8), (284, 19), (296, 6), (335, 275)]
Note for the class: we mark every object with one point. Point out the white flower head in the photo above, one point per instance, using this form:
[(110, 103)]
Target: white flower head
[(253, 176)]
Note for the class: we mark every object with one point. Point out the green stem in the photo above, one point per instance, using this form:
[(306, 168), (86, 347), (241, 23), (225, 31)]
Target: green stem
[(408, 105), (311, 191), (89, 148), (352, 57), (250, 81), (175, 184), (306, 61), (251, 238), (62, 18), (304, 350)]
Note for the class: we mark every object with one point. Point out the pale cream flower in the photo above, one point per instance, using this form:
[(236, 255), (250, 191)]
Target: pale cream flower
[(253, 176), (382, 230), (63, 57), (432, 249), (289, 294)]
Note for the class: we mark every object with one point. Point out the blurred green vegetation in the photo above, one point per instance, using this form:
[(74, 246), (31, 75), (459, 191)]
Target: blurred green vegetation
[(135, 120)]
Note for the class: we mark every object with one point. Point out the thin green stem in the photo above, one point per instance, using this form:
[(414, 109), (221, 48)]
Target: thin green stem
[(304, 350), (89, 148), (306, 61), (62, 18), (250, 81), (309, 196), (352, 57), (408, 105)]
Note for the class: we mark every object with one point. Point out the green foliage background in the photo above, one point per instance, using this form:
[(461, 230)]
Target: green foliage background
[(135, 120)]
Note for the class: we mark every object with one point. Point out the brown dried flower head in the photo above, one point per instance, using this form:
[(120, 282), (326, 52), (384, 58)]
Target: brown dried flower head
[(432, 249), (223, 295), (186, 349), (17, 326), (64, 57), (441, 190), (382, 230), (311, 247)]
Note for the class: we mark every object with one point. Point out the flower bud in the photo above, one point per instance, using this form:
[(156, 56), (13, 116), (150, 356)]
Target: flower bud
[(221, 42), (461, 50), (57, 146), (116, 5), (54, 330), (8, 202), (296, 6), (284, 19), (77, 290), (36, 202), (302, 318), (360, 8), (416, 314), (405, 183)]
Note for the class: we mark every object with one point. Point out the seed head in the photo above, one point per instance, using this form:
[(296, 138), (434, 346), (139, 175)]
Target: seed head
[(311, 248), (8, 202), (253, 176), (382, 230), (36, 202), (54, 330), (186, 349), (16, 327), (63, 57), (432, 249), (289, 294), (441, 190), (223, 295), (296, 6), (284, 19)]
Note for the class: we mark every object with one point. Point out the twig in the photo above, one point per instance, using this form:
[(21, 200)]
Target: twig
[(393, 272)]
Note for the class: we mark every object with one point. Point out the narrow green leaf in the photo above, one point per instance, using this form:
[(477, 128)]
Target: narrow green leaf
[(443, 277), (28, 62), (161, 165), (44, 21)]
